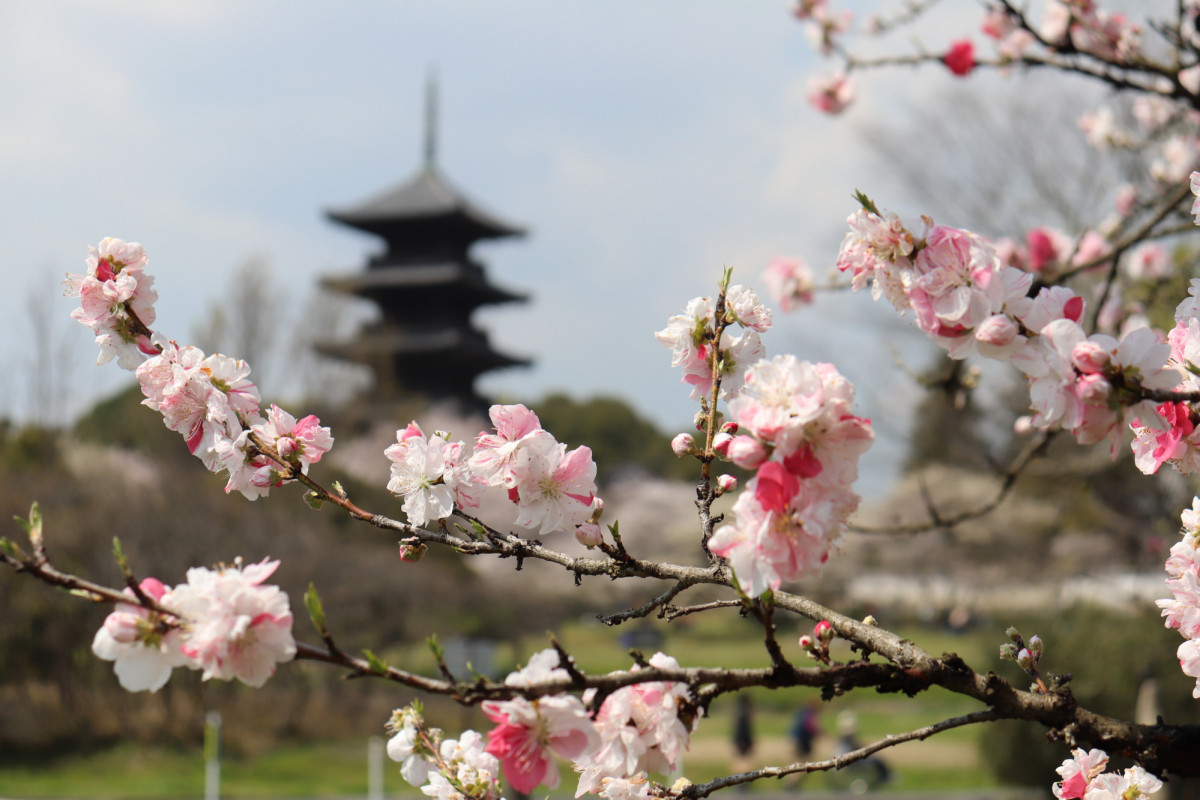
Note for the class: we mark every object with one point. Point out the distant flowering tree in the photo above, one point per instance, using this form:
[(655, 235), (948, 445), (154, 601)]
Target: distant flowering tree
[(1094, 373)]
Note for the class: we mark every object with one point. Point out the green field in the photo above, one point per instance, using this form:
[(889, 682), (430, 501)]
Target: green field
[(948, 761)]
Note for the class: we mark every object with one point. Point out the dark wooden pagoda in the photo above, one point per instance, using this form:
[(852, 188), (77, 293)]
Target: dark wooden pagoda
[(426, 285)]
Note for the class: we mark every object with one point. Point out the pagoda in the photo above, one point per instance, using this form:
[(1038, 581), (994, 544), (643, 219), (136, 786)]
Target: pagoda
[(426, 285)]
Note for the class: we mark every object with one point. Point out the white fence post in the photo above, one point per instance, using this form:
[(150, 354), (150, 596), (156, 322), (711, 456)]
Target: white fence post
[(212, 756), (375, 768)]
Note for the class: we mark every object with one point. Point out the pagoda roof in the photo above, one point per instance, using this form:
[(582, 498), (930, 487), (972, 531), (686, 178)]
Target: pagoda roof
[(419, 276), (446, 342), (425, 201)]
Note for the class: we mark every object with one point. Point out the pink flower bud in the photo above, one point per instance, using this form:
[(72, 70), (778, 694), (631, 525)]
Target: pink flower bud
[(1093, 389), (412, 431), (997, 330), (721, 443), (824, 631), (1089, 357), (589, 535), (747, 452), (700, 420), (806, 642), (122, 627), (597, 510), (412, 553), (960, 59), (727, 483), (1023, 426), (683, 445), (1025, 659), (729, 427)]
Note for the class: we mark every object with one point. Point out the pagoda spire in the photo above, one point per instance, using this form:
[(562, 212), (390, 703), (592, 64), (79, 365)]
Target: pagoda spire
[(431, 120), (426, 284)]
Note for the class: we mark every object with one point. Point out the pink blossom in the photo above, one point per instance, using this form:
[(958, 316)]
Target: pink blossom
[(144, 645), (530, 733), (960, 58), (554, 488), (1148, 262), (116, 301), (683, 445), (830, 94), (515, 426), (589, 534), (790, 282), (747, 452), (236, 626), (1077, 772), (727, 483), (639, 730), (431, 475)]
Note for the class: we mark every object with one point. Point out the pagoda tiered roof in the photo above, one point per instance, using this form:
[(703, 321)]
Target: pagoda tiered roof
[(426, 206), (426, 286)]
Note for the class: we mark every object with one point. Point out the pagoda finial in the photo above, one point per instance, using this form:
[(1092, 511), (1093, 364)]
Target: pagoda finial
[(431, 93)]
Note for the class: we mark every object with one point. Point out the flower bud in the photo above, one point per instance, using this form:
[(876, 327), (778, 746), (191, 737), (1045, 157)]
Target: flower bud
[(1023, 426), (721, 443), (729, 427), (869, 619), (700, 420), (1025, 659), (998, 330), (1008, 652), (286, 446), (411, 552), (727, 483), (123, 627), (597, 510), (1035, 644), (1090, 358), (683, 445), (824, 631), (1093, 389), (806, 642), (747, 452), (589, 534)]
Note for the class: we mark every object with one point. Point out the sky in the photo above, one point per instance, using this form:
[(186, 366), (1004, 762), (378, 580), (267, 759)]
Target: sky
[(644, 145)]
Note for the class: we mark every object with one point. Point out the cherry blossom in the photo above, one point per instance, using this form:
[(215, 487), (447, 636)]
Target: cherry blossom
[(144, 645), (960, 58), (789, 282), (640, 731), (431, 474), (530, 733), (553, 488), (831, 94), (116, 301), (692, 335), (236, 627)]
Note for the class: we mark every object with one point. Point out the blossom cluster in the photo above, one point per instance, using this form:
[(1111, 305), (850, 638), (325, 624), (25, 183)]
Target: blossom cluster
[(792, 424), (223, 621), (637, 729), (116, 300), (696, 347), (969, 300), (208, 399), (447, 769), (1182, 611), (1084, 778), (554, 489)]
